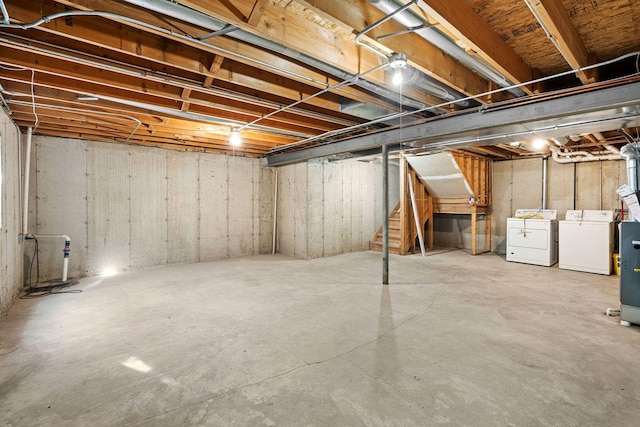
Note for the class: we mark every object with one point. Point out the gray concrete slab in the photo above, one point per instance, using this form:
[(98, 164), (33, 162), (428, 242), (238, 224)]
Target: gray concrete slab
[(269, 340)]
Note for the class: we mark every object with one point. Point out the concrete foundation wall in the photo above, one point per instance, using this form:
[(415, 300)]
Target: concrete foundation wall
[(128, 207), (11, 275), (328, 208), (518, 184)]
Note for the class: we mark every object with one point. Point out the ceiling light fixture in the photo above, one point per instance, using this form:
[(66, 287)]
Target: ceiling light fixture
[(539, 144), (397, 61), (234, 137), (86, 98)]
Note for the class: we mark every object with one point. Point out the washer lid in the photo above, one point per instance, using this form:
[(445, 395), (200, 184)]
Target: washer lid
[(536, 213), (589, 215)]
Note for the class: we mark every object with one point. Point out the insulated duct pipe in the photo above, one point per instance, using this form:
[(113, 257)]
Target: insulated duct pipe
[(205, 21), (631, 154), (578, 156), (441, 41), (27, 171), (435, 88)]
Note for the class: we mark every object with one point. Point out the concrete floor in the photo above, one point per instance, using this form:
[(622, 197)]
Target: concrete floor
[(455, 340)]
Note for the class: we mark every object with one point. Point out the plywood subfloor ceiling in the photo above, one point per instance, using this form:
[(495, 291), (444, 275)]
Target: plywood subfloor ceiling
[(185, 75)]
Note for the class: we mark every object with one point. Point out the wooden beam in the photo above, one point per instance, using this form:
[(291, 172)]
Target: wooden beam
[(355, 16), (109, 81), (213, 70), (463, 22), (247, 53), (112, 40), (256, 11), (555, 19), (291, 27)]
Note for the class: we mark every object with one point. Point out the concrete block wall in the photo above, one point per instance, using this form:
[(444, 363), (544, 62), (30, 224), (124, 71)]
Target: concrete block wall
[(128, 207), (11, 275), (518, 184), (328, 208)]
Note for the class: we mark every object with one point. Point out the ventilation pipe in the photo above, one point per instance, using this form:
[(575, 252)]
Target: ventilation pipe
[(441, 41), (560, 156), (205, 21), (25, 213), (437, 89), (631, 155)]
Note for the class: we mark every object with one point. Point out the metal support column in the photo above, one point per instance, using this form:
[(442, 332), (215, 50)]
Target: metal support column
[(545, 184), (385, 214)]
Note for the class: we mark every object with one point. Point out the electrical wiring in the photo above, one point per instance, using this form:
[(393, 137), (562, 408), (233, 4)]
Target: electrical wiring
[(33, 95)]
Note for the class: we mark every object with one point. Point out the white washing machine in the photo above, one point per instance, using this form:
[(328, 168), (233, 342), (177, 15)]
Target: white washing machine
[(586, 241), (532, 237)]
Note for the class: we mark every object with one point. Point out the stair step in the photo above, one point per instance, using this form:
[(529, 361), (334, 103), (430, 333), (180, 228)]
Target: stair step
[(378, 247)]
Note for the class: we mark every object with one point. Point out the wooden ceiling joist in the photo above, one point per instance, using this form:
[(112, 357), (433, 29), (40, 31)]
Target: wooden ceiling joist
[(461, 20), (555, 20)]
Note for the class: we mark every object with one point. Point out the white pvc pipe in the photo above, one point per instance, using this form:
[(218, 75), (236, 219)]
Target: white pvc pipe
[(415, 214), (579, 156), (66, 251), (27, 171)]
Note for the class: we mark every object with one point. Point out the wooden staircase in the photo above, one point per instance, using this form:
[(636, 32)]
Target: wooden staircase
[(395, 235), (403, 234)]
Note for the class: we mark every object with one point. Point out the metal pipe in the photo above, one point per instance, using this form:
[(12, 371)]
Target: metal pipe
[(205, 21), (546, 31), (150, 75), (444, 104), (441, 41), (415, 214), (378, 23), (225, 30), (27, 171), (327, 89), (544, 182), (5, 14), (385, 214), (275, 214)]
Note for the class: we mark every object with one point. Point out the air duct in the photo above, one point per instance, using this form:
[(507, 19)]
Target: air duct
[(631, 155), (441, 41), (205, 21), (430, 85)]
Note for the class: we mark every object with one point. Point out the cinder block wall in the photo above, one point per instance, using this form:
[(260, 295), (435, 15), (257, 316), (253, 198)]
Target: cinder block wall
[(328, 208), (128, 207), (11, 275)]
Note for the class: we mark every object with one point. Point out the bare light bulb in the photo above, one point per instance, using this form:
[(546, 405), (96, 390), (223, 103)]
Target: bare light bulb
[(397, 77), (234, 138), (539, 144)]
